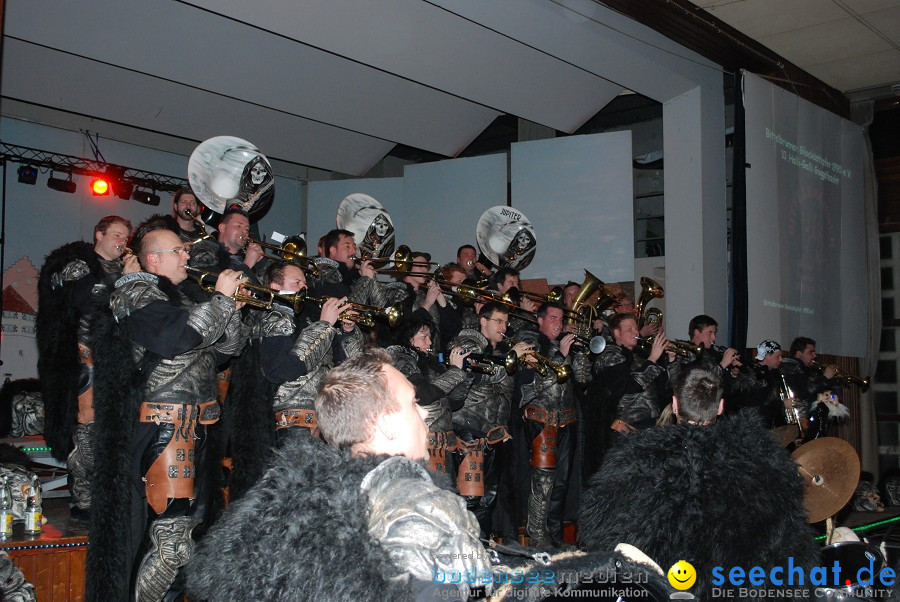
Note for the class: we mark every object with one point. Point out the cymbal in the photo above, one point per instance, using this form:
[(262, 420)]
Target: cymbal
[(830, 469), (785, 435)]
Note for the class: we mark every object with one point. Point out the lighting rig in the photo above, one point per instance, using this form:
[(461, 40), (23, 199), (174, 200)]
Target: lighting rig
[(124, 182)]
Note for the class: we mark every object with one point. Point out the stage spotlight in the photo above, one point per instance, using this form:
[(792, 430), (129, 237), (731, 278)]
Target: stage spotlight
[(123, 189), (67, 185), (99, 187), (146, 197), (27, 174)]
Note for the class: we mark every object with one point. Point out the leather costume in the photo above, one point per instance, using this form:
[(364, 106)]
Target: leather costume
[(806, 383), (632, 385), (549, 410), (178, 398), (440, 390), (378, 532), (74, 284), (481, 425)]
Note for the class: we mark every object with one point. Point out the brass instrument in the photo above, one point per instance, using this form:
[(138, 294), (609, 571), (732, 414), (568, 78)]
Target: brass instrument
[(201, 225), (650, 289), (684, 349), (402, 263), (843, 377), (359, 313), (485, 364), (542, 364), (582, 314), (791, 414), (293, 250), (253, 295), (475, 295), (554, 296)]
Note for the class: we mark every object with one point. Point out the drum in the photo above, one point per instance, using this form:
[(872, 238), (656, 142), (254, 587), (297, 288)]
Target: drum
[(852, 556)]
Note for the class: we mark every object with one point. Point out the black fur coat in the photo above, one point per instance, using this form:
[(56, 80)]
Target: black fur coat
[(56, 335), (722, 495), (301, 533)]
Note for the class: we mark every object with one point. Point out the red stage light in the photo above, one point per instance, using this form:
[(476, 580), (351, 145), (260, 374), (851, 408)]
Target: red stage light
[(99, 187)]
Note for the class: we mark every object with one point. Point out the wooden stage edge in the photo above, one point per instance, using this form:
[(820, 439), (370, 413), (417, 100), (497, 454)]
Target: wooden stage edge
[(53, 561)]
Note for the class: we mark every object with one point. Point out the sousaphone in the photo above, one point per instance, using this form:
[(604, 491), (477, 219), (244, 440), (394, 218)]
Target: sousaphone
[(226, 171), (371, 225), (505, 237)]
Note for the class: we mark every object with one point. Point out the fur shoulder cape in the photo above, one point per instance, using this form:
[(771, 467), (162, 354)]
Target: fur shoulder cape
[(301, 533), (722, 495)]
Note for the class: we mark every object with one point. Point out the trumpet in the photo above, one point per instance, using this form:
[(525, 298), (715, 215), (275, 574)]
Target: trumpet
[(543, 365), (843, 377), (486, 364), (684, 349), (251, 294), (359, 313), (293, 250)]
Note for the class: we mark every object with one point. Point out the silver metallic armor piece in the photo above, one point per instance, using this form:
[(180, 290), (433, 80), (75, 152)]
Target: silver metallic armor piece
[(487, 402), (188, 377), (545, 392), (171, 547), (372, 292), (423, 528), (74, 270), (313, 348), (27, 414), (633, 407), (539, 505), (13, 586), (19, 480), (81, 466), (438, 418)]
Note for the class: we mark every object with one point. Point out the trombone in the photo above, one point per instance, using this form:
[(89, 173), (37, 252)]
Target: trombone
[(403, 263), (684, 349), (474, 295), (292, 250)]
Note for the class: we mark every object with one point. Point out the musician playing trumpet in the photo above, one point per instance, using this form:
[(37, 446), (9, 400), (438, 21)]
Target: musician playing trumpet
[(481, 424), (806, 377), (440, 389), (292, 353), (548, 406), (725, 362), (230, 251), (631, 382)]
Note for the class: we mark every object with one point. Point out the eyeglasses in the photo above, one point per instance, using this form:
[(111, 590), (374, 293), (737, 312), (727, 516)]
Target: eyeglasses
[(498, 321), (181, 249)]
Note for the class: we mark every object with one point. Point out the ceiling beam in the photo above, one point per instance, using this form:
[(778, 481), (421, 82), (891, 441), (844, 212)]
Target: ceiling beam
[(714, 39)]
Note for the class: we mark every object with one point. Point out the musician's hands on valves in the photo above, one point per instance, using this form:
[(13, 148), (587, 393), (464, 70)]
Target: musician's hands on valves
[(523, 352), (565, 344), (228, 282), (660, 342), (458, 356), (332, 309)]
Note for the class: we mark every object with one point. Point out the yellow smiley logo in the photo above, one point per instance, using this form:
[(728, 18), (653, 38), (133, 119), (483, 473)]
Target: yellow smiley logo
[(682, 575)]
